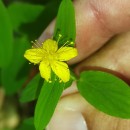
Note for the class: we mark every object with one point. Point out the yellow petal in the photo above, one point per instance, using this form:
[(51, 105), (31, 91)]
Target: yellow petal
[(66, 53), (50, 45), (34, 55), (61, 70), (45, 70)]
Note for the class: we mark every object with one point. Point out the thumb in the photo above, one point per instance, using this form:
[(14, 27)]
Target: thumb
[(96, 22)]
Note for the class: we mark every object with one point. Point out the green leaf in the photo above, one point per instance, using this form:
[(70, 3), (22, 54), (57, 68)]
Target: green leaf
[(16, 72), (47, 101), (20, 13), (36, 21), (106, 92), (65, 23), (6, 37), (32, 90)]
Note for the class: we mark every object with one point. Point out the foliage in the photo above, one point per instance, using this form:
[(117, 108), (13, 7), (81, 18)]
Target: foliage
[(22, 22)]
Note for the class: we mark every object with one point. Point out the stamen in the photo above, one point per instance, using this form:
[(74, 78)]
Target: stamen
[(50, 81), (64, 45), (60, 81), (38, 45), (59, 37), (71, 43)]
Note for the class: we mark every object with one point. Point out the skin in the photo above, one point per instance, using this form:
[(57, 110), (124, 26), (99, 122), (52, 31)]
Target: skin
[(103, 43)]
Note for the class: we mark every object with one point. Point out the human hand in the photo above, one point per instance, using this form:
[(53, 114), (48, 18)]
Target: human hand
[(97, 22)]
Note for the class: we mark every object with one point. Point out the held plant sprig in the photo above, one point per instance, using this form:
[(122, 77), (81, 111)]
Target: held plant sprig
[(51, 56), (104, 91)]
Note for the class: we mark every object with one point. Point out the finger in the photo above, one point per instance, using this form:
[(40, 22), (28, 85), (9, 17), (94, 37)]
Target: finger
[(65, 116), (114, 56), (75, 113), (113, 14), (87, 27), (96, 23)]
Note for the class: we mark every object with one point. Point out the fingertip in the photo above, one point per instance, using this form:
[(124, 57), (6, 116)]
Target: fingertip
[(67, 120)]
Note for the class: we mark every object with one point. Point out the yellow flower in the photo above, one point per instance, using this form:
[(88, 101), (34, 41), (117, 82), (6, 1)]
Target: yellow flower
[(51, 58)]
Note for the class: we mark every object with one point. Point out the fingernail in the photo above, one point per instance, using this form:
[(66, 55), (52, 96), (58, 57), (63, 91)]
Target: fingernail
[(67, 120)]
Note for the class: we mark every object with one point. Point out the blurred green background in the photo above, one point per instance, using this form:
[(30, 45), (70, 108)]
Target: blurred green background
[(21, 21)]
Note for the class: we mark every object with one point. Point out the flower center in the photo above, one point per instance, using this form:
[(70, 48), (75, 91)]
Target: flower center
[(51, 56)]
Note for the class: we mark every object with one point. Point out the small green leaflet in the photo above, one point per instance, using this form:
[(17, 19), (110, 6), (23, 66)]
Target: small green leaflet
[(106, 92), (32, 90), (47, 101), (65, 23)]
